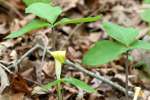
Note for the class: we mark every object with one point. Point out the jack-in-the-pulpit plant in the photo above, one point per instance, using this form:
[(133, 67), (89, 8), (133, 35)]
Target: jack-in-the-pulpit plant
[(47, 16)]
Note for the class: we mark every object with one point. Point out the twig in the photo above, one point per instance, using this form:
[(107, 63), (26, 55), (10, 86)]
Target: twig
[(4, 67), (27, 53), (77, 66), (43, 41)]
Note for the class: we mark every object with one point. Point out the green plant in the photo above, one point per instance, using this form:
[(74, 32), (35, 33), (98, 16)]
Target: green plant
[(48, 17), (124, 40), (106, 50)]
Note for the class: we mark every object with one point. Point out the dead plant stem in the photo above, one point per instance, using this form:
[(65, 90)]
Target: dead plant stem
[(101, 78)]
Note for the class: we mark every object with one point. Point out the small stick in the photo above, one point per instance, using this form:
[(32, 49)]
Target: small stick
[(27, 53), (77, 66), (5, 68)]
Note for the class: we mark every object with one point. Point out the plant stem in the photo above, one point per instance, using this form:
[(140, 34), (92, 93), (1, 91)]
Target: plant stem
[(127, 73), (59, 91), (54, 39)]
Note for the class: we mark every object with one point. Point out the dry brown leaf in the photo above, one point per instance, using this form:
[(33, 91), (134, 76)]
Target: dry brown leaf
[(70, 89), (19, 84), (39, 74), (38, 90), (67, 4), (13, 55), (49, 68), (94, 37), (122, 77)]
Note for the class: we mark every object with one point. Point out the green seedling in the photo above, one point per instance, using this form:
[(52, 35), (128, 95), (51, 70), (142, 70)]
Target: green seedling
[(47, 17), (124, 40)]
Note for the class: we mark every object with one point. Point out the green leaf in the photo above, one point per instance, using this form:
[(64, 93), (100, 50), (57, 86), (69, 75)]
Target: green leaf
[(80, 84), (145, 15), (77, 21), (44, 88), (124, 35), (146, 1), (140, 44), (29, 2), (103, 52), (44, 11), (33, 25), (49, 85)]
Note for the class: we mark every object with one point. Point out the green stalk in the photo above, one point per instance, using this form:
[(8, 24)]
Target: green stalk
[(59, 91), (127, 73)]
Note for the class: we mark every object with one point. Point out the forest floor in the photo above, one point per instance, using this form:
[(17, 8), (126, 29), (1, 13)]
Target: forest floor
[(76, 39)]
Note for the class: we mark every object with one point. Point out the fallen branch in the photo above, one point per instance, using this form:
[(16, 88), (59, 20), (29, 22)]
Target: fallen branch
[(115, 85), (22, 57), (77, 66)]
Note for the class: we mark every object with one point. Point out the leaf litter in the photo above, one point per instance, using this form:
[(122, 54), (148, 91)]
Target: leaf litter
[(32, 73)]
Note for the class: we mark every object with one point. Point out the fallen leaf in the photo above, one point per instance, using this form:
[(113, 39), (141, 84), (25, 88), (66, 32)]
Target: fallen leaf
[(19, 84), (38, 90), (38, 69), (13, 55), (67, 4), (49, 68), (94, 37)]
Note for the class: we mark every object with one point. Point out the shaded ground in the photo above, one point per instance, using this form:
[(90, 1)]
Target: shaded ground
[(77, 40)]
